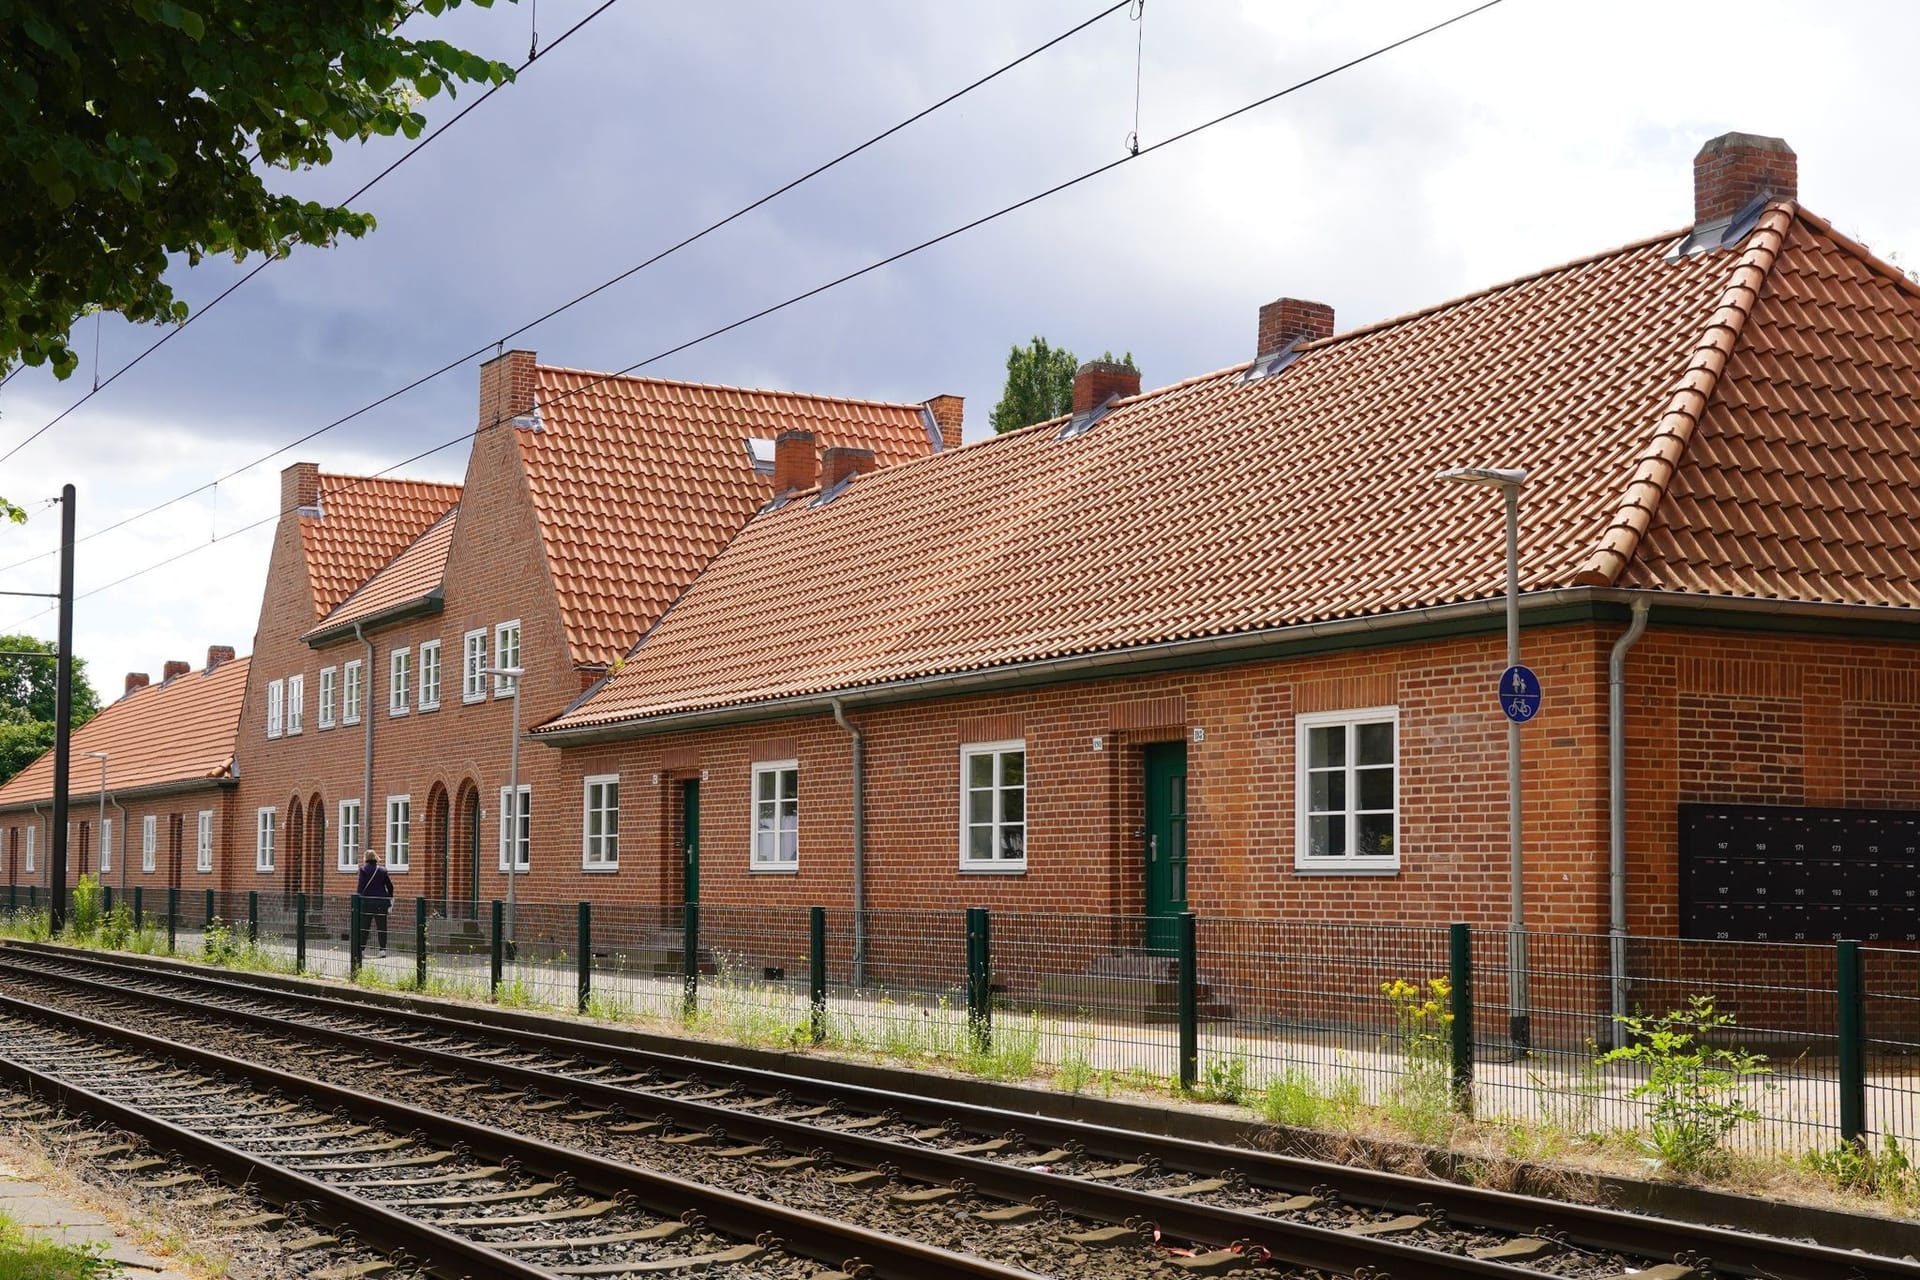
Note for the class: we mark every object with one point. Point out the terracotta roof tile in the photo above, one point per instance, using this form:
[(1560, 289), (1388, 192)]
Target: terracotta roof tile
[(1703, 425), (409, 576), (177, 732), (363, 522), (638, 482)]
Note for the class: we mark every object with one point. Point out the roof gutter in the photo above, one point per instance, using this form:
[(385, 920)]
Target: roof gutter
[(150, 791), (1704, 610), (435, 601)]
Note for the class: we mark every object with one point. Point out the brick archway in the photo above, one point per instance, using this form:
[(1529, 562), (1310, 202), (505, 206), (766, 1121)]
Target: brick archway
[(292, 877), (315, 851), (438, 846), (464, 850)]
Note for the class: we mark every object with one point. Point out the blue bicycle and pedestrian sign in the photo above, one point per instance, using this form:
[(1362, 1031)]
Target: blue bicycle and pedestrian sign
[(1519, 694)]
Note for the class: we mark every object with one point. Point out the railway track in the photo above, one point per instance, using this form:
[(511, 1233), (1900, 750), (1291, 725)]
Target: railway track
[(1018, 1192)]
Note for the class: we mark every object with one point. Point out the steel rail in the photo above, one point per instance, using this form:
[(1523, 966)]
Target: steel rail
[(1296, 1242), (1733, 1251), (741, 1216)]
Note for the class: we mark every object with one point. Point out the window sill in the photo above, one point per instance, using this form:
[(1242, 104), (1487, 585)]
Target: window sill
[(263, 871), (599, 869), (469, 699), (774, 869), (1323, 868), (395, 715), (1011, 869), (428, 706), (347, 724)]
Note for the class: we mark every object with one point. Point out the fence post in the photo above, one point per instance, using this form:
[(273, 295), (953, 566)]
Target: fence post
[(586, 953), (300, 932), (499, 953), (138, 904), (817, 969), (979, 979), (1460, 1005), (173, 918), (253, 917), (420, 943), (690, 959), (13, 897), (1186, 933), (210, 908), (33, 897), (106, 900), (1853, 1041), (354, 918)]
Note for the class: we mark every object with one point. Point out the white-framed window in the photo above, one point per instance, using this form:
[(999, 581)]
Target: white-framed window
[(473, 665), (31, 833), (149, 840), (506, 653), (106, 844), (399, 681), (600, 823), (264, 820), (776, 816), (350, 693), (203, 842), (349, 829), (296, 704), (329, 677), (1346, 792), (993, 806), (399, 832), (516, 826), (276, 701), (430, 675)]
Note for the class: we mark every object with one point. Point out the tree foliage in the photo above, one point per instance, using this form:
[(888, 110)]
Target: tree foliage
[(131, 130), (1039, 384), (27, 693)]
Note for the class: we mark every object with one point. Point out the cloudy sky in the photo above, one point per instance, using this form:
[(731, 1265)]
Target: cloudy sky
[(1535, 132)]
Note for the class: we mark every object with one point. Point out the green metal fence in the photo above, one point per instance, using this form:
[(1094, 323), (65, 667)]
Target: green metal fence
[(1427, 1022)]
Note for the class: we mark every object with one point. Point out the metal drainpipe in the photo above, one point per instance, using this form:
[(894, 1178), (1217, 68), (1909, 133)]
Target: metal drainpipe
[(859, 846), (366, 716), (23, 853), (1617, 811), (121, 853)]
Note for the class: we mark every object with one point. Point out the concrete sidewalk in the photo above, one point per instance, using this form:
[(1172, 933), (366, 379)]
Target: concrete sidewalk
[(51, 1214)]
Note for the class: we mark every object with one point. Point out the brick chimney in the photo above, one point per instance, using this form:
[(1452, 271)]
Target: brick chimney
[(136, 680), (174, 667), (838, 463), (217, 654), (1098, 381), (300, 486), (1735, 168), (947, 412), (506, 388), (794, 463), (1285, 319)]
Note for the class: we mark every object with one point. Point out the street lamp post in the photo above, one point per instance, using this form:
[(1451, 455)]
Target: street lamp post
[(100, 828), (1520, 1020), (513, 789)]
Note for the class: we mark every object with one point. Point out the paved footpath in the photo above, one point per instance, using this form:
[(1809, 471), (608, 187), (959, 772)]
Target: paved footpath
[(43, 1211)]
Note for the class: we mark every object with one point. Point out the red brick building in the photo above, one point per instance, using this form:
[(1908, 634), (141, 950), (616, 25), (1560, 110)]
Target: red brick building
[(1231, 644), (160, 811), (372, 716)]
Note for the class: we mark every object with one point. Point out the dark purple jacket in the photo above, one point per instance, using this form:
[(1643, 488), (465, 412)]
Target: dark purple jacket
[(376, 886)]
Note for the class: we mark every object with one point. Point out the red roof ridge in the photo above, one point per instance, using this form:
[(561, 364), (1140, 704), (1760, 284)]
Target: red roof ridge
[(1674, 431), (602, 376), (1873, 261)]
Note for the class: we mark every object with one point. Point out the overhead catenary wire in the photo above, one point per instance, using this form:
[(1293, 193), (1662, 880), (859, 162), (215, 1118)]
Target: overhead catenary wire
[(500, 342), (845, 278), (268, 257)]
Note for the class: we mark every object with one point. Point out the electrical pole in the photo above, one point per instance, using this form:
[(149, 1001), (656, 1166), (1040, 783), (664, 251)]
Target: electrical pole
[(62, 721)]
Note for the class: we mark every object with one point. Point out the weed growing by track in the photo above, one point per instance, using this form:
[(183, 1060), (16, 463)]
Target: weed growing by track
[(24, 1257)]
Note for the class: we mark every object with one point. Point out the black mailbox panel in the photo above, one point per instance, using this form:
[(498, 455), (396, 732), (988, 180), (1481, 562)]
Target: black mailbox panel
[(1768, 873)]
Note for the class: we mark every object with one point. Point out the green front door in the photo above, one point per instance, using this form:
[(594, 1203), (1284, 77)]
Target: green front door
[(690, 840), (1166, 840)]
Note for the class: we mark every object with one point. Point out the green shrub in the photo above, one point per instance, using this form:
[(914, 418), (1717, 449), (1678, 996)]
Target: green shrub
[(83, 919), (1222, 1079), (1699, 1091), (1855, 1166), (117, 927)]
